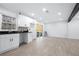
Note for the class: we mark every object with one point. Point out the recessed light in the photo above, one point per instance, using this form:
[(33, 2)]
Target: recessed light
[(59, 13), (33, 14), (45, 10)]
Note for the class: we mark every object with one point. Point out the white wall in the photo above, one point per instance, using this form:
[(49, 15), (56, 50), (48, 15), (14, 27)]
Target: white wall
[(73, 28), (63, 29), (56, 29)]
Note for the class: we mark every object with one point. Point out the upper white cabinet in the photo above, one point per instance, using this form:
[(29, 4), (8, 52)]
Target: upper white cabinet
[(22, 21), (0, 21), (7, 23)]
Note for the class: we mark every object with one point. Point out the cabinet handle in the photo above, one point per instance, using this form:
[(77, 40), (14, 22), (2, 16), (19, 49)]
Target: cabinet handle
[(11, 40)]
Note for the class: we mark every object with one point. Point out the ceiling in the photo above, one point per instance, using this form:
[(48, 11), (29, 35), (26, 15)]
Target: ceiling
[(56, 11)]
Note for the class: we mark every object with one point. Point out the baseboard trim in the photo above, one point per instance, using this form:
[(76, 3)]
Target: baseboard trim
[(61, 37)]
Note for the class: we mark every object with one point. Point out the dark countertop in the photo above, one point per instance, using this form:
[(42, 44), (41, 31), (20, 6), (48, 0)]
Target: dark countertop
[(13, 32)]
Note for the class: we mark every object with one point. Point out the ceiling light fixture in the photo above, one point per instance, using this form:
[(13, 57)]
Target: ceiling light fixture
[(45, 10), (33, 14), (59, 13)]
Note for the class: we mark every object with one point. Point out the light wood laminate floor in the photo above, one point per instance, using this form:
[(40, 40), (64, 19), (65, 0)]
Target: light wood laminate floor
[(47, 47)]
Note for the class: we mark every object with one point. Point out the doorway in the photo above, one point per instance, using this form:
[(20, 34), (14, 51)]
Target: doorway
[(39, 34)]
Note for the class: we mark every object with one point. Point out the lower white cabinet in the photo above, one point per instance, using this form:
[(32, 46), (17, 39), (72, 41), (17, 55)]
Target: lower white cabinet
[(8, 42)]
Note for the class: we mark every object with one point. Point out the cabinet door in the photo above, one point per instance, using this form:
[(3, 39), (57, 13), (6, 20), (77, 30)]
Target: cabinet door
[(5, 43), (0, 22), (8, 42), (15, 40), (21, 21)]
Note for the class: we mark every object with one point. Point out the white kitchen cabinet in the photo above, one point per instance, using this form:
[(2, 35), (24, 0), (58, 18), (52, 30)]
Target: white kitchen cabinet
[(7, 23), (8, 42), (0, 21), (29, 37), (33, 30), (4, 43), (15, 40), (22, 21)]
